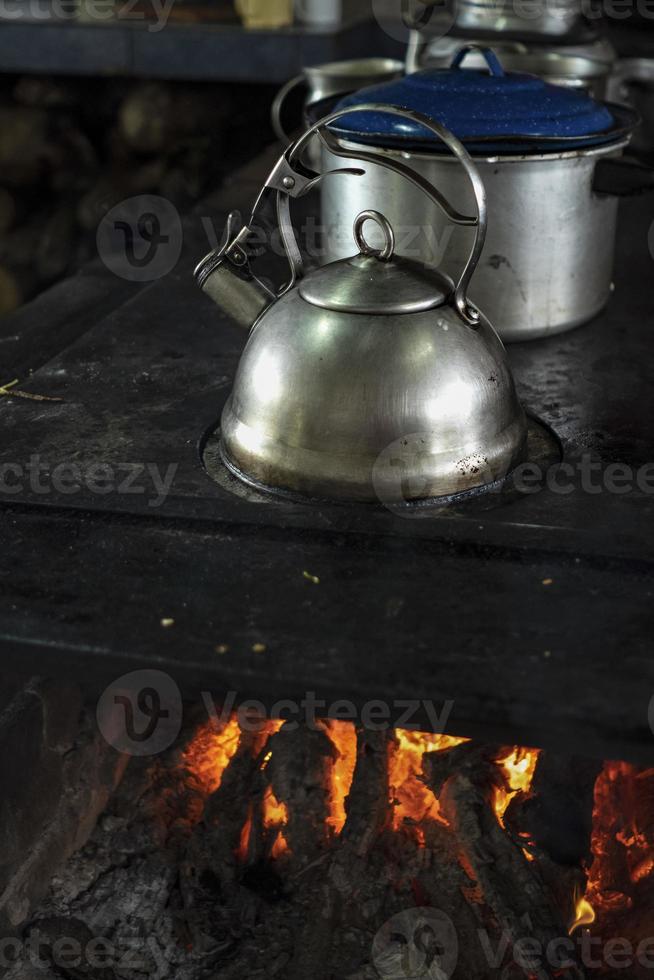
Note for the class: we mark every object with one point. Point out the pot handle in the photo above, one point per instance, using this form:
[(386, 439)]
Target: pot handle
[(278, 105), (479, 221), (489, 56), (627, 72), (623, 177)]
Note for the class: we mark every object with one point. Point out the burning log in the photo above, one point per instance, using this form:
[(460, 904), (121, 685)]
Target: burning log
[(465, 780), (228, 812), (299, 771), (336, 887), (556, 821), (557, 815)]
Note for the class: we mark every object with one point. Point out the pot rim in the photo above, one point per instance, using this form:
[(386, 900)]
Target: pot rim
[(353, 68), (493, 158)]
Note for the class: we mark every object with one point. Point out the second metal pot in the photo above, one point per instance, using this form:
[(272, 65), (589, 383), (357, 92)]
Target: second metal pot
[(334, 78), (550, 160), (548, 261)]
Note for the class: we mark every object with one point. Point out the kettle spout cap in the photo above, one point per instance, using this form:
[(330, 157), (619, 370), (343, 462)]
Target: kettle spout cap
[(226, 277)]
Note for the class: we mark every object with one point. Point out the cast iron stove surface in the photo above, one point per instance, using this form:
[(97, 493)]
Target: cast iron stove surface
[(532, 613)]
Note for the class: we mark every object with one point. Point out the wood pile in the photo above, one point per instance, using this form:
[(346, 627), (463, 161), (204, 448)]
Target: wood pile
[(72, 149), (187, 871)]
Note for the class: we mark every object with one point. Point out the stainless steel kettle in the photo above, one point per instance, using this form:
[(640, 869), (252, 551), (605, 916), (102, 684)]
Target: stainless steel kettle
[(373, 378)]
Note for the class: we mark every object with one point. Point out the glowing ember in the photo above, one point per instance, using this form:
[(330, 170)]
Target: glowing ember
[(413, 801), (344, 737), (623, 841), (210, 753), (519, 768), (244, 843)]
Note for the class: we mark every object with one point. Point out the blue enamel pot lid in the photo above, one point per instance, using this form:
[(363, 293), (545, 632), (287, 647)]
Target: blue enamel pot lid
[(489, 111)]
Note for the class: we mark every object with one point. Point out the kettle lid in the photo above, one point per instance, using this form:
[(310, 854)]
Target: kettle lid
[(376, 281)]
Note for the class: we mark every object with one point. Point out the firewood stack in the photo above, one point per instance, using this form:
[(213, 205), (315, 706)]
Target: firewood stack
[(72, 149), (187, 864)]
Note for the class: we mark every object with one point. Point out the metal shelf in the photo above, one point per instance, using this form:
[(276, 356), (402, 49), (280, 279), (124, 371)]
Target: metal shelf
[(202, 52)]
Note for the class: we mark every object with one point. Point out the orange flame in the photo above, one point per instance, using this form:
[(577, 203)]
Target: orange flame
[(344, 736), (622, 845), (584, 913), (275, 814), (210, 752), (244, 844), (413, 801), (280, 847), (519, 767)]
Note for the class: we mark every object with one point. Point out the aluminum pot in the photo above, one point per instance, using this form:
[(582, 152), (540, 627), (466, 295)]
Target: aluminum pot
[(541, 19), (334, 78), (548, 261)]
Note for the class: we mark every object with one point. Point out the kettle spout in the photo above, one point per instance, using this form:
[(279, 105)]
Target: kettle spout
[(225, 275)]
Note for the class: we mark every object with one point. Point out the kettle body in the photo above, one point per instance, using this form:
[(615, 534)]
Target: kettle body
[(370, 379)]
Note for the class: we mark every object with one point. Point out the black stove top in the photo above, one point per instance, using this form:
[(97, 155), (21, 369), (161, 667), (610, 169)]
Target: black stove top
[(532, 612)]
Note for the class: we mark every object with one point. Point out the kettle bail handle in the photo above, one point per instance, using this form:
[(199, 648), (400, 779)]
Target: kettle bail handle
[(467, 311)]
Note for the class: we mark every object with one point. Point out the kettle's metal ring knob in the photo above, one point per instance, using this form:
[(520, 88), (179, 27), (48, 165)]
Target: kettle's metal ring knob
[(389, 235)]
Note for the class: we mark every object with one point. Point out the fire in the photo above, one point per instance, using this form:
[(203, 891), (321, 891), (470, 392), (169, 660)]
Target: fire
[(413, 801), (244, 844), (210, 752), (584, 913), (274, 813), (344, 737), (519, 768), (280, 847), (623, 842)]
